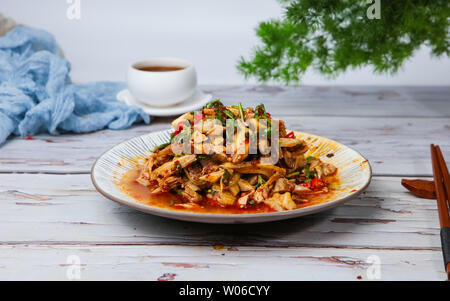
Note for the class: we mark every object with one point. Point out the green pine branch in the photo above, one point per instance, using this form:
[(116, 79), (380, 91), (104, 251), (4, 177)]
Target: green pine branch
[(331, 36)]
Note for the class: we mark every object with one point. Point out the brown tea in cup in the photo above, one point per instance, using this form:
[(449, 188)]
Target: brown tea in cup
[(159, 68)]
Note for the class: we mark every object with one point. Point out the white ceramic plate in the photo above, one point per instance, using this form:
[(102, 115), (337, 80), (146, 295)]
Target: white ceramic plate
[(196, 101), (353, 170)]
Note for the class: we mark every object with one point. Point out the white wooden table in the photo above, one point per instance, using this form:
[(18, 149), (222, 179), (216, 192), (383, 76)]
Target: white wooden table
[(51, 216)]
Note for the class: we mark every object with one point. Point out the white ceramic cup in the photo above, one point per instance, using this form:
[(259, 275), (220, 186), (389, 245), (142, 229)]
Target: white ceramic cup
[(162, 88)]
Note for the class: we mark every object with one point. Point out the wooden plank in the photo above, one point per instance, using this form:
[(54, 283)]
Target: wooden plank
[(65, 208), (355, 101), (46, 217), (60, 262), (394, 146), (66, 153)]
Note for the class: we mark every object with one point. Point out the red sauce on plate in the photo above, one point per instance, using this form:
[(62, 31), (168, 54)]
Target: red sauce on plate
[(171, 201)]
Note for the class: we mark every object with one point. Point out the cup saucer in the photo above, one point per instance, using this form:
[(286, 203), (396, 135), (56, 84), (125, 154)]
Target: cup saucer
[(196, 101)]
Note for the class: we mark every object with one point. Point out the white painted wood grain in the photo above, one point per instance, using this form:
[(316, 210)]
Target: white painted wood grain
[(391, 126), (353, 101), (46, 217), (50, 262), (394, 146), (66, 208)]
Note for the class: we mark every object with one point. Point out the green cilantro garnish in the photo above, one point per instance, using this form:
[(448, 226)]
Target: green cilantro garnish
[(200, 157), (241, 111), (161, 146), (309, 159), (307, 172), (293, 174), (228, 113), (214, 104)]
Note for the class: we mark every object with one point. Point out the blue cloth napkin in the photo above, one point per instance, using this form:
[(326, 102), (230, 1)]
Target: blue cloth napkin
[(37, 94)]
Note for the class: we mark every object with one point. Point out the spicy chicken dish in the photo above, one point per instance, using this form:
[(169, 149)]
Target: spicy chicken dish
[(230, 159)]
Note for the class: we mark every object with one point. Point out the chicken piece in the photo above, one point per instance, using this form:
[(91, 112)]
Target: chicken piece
[(209, 111), (245, 186), (227, 179), (328, 169), (173, 166), (298, 199), (190, 195), (322, 169), (198, 137), (234, 178), (163, 155), (271, 181), (252, 180), (262, 193), (169, 183), (182, 119), (191, 186), (209, 125), (287, 202), (240, 148), (293, 160), (263, 146), (187, 206), (198, 140), (290, 142), (194, 172), (282, 128), (251, 168), (234, 189), (249, 114), (213, 176), (300, 189), (288, 159), (226, 198), (221, 157), (244, 199), (281, 202), (145, 174), (234, 111), (314, 163), (283, 185), (143, 180), (208, 165), (217, 145)]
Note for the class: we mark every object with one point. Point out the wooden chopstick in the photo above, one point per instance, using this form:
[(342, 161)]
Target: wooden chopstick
[(442, 183), (440, 190), (445, 175)]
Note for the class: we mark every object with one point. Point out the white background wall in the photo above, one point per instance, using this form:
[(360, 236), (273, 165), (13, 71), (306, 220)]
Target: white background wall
[(211, 33)]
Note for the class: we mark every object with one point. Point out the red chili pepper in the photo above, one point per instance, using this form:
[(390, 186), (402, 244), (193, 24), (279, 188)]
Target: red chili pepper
[(317, 183), (198, 117), (179, 128), (29, 138), (305, 184), (290, 135), (268, 115), (260, 111)]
